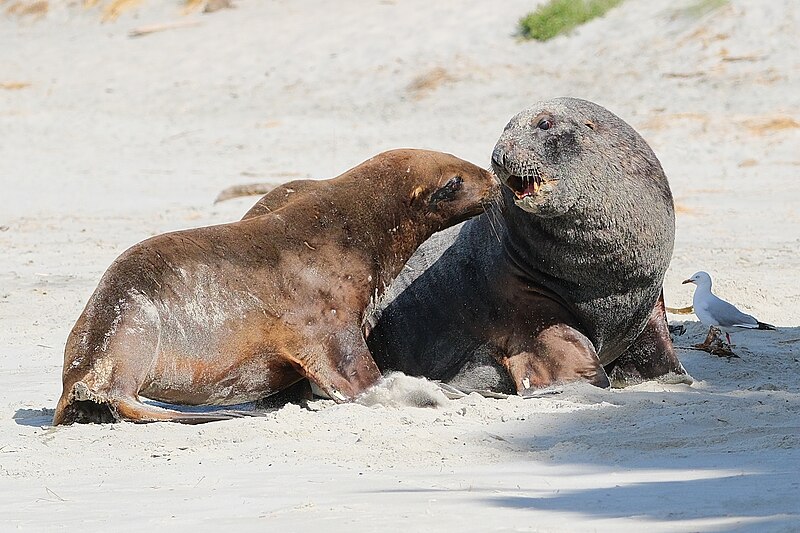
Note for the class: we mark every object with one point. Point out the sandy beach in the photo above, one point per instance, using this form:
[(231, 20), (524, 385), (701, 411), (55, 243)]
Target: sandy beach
[(109, 138)]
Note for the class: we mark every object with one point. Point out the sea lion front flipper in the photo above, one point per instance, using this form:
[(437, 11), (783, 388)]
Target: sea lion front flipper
[(557, 354), (87, 406), (651, 356), (342, 367)]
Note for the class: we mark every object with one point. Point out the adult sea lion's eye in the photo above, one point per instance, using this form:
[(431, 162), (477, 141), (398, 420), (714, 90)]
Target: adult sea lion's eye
[(545, 124)]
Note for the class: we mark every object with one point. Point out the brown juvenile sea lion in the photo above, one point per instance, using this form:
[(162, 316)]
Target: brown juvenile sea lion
[(235, 312), (562, 283)]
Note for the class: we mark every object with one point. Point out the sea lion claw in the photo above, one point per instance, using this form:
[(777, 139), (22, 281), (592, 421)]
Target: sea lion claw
[(336, 395)]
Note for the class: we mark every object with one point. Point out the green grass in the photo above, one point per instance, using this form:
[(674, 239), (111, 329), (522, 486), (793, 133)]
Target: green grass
[(559, 16), (701, 7)]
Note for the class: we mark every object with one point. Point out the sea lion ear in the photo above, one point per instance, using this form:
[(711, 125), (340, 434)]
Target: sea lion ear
[(589, 124), (447, 192)]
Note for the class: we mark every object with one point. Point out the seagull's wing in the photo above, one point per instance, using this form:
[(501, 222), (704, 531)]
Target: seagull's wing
[(728, 316), (747, 326)]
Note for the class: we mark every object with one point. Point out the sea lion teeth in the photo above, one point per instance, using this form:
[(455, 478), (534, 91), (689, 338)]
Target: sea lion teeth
[(532, 187), (524, 186)]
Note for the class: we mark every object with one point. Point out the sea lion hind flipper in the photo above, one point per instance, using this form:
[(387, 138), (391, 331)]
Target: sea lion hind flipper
[(79, 403), (132, 410), (650, 356), (88, 411)]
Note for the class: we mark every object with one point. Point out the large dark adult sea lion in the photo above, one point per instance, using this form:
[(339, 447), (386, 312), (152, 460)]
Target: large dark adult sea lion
[(561, 283), (235, 312)]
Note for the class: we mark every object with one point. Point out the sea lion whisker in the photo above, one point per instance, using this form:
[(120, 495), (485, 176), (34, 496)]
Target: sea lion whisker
[(490, 217), (497, 215)]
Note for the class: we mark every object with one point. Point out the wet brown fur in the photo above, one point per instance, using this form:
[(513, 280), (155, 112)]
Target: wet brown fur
[(235, 312)]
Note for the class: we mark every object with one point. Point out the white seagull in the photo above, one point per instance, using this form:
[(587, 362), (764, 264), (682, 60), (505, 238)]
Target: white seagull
[(717, 313)]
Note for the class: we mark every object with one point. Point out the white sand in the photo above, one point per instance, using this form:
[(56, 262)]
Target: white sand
[(116, 139)]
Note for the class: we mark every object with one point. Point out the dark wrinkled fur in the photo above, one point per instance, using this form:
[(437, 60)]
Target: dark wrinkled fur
[(568, 289)]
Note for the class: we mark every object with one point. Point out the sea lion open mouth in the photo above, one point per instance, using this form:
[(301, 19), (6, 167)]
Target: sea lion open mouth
[(524, 180), (524, 186)]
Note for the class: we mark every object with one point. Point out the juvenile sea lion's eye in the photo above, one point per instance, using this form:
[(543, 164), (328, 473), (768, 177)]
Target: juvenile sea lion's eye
[(455, 183), (545, 124), (447, 192)]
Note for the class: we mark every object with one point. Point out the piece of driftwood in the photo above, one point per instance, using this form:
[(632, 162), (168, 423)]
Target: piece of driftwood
[(247, 189), (154, 28)]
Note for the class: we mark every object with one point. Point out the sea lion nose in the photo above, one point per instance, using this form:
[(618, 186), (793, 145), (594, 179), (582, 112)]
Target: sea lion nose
[(499, 157)]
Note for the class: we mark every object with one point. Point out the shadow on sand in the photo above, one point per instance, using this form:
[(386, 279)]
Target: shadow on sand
[(721, 455), (723, 451), (690, 500), (44, 417)]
